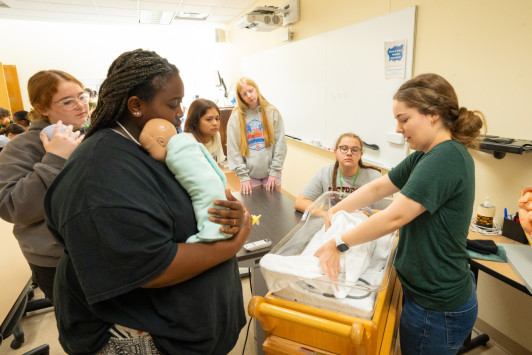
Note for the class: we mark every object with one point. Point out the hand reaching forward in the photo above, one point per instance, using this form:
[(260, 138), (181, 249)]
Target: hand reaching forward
[(329, 259)]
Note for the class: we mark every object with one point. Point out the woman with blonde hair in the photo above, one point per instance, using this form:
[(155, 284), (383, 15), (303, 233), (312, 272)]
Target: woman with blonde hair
[(256, 145), (30, 163)]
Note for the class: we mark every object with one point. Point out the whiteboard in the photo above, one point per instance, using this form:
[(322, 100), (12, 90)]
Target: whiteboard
[(335, 82)]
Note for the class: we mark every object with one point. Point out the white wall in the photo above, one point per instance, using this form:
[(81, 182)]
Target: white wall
[(479, 46), (86, 51)]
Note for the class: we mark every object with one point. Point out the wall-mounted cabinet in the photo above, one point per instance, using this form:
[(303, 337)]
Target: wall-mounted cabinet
[(10, 94), (4, 95)]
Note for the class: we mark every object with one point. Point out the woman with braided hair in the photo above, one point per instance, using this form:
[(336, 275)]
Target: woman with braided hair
[(128, 282), (345, 175), (435, 188)]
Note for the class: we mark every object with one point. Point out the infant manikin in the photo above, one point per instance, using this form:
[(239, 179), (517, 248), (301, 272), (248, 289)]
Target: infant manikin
[(193, 168)]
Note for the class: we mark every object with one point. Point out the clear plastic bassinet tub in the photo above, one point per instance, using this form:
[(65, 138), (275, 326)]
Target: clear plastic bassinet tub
[(292, 272)]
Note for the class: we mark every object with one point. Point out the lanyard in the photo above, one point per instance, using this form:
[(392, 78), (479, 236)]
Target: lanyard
[(354, 180)]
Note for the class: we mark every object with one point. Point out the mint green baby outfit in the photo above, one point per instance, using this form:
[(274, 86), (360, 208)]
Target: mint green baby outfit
[(201, 177)]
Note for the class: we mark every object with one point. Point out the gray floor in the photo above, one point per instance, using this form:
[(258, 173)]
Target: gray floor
[(39, 328)]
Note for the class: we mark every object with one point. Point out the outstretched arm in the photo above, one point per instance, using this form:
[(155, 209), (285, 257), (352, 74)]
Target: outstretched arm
[(302, 203), (364, 196), (400, 212)]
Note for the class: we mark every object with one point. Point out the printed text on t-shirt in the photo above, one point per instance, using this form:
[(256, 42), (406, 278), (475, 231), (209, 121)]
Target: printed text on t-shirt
[(345, 189), (255, 135)]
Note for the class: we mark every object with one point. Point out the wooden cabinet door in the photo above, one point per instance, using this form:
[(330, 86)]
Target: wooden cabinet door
[(225, 113)]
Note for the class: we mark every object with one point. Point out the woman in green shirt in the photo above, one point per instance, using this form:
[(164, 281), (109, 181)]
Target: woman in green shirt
[(435, 189)]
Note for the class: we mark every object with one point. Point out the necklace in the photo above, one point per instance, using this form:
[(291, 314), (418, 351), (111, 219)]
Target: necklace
[(125, 130), (354, 180)]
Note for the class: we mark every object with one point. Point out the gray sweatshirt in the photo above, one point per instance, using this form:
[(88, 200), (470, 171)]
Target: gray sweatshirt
[(262, 161), (26, 172)]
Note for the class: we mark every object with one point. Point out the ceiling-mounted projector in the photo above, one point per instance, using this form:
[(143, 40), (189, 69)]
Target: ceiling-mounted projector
[(261, 19), (260, 22)]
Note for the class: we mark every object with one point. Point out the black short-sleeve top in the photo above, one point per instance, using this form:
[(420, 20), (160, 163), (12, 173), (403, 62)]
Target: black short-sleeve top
[(119, 215)]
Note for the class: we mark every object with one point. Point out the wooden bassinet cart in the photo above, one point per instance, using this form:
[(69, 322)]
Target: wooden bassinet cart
[(298, 321), (295, 328)]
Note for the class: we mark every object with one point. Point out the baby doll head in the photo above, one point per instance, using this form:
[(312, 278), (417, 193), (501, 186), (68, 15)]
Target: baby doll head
[(155, 136)]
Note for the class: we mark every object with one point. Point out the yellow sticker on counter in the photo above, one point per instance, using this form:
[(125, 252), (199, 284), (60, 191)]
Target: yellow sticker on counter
[(255, 219)]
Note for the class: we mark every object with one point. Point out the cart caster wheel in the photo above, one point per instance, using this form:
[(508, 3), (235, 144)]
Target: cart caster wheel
[(15, 344)]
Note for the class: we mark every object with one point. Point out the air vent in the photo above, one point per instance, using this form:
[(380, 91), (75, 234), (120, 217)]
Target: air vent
[(156, 17)]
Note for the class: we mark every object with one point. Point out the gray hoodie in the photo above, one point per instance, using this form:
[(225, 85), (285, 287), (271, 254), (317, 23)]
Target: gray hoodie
[(26, 172), (262, 161)]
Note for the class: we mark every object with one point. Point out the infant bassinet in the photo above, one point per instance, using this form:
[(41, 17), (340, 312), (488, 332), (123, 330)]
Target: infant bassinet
[(301, 313)]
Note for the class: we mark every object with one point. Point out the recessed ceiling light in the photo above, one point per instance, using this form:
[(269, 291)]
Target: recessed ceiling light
[(191, 16)]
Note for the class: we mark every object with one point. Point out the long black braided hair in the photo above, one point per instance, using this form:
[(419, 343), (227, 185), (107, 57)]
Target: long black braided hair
[(139, 73)]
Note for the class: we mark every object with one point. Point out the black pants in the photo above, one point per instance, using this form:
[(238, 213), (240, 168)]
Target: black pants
[(44, 277)]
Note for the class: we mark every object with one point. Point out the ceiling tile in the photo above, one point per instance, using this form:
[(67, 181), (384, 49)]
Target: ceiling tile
[(197, 9), (117, 11), (226, 11)]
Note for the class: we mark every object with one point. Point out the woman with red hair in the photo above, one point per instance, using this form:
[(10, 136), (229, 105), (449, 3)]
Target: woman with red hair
[(30, 163)]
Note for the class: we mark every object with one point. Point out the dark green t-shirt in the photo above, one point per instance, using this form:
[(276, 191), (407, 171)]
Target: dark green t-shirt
[(431, 259)]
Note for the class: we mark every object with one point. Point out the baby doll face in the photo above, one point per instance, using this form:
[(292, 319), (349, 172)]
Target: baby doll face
[(155, 136)]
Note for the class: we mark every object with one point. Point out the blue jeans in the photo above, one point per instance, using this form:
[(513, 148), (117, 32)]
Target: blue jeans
[(423, 331)]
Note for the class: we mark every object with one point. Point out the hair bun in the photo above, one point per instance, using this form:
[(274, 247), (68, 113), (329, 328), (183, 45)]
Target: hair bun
[(467, 126)]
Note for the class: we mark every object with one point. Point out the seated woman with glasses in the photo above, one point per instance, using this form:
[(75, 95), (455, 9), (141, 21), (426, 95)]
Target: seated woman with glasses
[(30, 163), (346, 175)]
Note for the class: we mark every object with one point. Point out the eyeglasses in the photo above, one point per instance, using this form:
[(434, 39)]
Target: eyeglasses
[(344, 149), (71, 103)]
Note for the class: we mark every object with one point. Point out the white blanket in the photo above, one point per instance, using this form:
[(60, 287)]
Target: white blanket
[(279, 271)]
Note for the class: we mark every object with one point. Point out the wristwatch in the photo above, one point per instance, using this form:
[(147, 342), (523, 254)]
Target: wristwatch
[(340, 245)]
